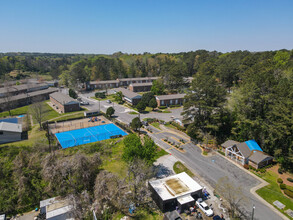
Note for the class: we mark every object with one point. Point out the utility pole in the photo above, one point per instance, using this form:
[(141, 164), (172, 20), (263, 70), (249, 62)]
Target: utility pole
[(253, 207)]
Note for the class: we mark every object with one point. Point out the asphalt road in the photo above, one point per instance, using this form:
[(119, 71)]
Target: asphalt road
[(209, 168), (122, 112), (214, 167)]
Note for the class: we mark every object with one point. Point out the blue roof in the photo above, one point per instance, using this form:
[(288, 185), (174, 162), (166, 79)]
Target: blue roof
[(252, 145)]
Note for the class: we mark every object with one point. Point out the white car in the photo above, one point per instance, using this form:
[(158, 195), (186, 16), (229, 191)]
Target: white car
[(204, 207)]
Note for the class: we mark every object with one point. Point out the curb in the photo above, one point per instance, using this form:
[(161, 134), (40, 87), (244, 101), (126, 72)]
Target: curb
[(261, 185)]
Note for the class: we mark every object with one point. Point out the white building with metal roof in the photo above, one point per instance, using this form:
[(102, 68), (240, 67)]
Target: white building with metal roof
[(10, 132)]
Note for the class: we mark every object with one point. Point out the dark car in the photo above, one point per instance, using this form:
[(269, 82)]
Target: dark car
[(216, 217)]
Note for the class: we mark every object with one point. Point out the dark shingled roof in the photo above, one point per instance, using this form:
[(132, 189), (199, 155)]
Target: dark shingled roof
[(244, 149), (62, 98), (258, 157), (229, 143)]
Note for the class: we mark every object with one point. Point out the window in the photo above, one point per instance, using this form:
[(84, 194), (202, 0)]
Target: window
[(1, 132)]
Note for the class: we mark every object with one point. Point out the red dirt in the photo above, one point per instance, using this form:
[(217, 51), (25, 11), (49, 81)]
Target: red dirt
[(283, 176)]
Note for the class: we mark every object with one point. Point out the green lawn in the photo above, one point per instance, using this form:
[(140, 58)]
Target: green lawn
[(272, 192), (156, 125), (133, 113), (14, 112), (164, 111), (170, 126), (179, 168)]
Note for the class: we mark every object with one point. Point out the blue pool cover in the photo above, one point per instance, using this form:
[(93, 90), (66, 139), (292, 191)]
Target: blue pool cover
[(88, 135)]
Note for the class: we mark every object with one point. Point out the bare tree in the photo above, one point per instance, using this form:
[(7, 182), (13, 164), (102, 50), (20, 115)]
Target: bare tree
[(111, 194), (8, 98), (138, 173), (37, 110), (233, 195)]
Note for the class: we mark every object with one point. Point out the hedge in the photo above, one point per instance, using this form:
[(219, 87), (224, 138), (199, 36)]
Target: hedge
[(162, 107), (283, 186), (280, 171), (173, 106), (279, 180), (290, 179), (288, 192)]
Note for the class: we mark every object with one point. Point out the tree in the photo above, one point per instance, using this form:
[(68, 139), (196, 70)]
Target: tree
[(233, 195), (146, 98), (70, 174), (135, 123), (111, 194), (118, 97), (158, 87), (72, 94), (153, 103), (141, 106), (38, 112), (110, 111), (135, 149)]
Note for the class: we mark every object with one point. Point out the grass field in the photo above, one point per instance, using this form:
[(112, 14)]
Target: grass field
[(18, 111), (179, 168), (272, 192), (156, 125)]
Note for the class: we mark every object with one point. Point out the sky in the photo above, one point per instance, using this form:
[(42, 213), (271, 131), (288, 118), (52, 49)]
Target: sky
[(138, 26)]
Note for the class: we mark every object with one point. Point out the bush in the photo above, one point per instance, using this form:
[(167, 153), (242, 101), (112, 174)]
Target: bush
[(100, 95), (252, 168), (173, 106), (221, 152), (290, 179), (288, 192), (280, 171), (282, 186), (162, 107), (279, 180), (246, 166), (262, 170)]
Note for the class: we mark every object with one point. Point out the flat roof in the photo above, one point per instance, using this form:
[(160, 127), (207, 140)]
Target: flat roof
[(141, 84), (139, 78), (185, 199), (175, 186), (2, 217), (30, 94), (12, 127), (169, 97), (104, 82)]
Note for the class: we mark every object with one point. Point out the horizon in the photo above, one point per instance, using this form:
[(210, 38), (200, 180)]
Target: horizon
[(132, 27)]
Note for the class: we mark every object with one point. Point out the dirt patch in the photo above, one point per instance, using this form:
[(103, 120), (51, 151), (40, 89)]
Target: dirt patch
[(283, 176)]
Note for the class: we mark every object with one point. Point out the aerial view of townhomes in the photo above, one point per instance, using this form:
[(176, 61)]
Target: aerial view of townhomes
[(146, 110)]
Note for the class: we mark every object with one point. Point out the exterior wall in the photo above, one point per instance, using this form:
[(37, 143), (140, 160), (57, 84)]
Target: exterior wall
[(71, 107), (170, 102), (261, 164), (140, 88), (65, 108), (9, 136)]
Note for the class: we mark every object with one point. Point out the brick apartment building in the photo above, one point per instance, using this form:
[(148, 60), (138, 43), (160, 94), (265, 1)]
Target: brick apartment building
[(140, 87), (167, 100), (63, 103)]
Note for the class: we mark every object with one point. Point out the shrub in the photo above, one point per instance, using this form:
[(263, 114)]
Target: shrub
[(280, 170), (162, 107), (262, 170), (252, 168), (246, 166), (279, 180), (288, 192), (173, 106), (283, 186), (290, 179)]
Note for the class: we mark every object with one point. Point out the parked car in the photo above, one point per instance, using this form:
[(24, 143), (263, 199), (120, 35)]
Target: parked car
[(84, 103), (204, 207), (216, 217), (109, 101)]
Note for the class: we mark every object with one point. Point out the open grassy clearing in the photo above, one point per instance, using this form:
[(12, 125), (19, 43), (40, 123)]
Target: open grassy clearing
[(272, 192), (17, 111)]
